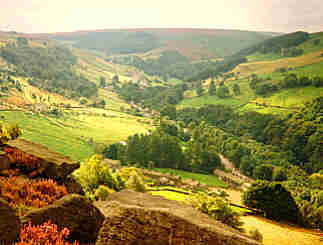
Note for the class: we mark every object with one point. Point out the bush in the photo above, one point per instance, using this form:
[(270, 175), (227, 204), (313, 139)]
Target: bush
[(45, 234), (94, 173), (272, 198), (97, 179), (103, 192), (218, 208), (263, 172), (30, 193), (255, 234), (133, 179), (279, 174), (8, 132)]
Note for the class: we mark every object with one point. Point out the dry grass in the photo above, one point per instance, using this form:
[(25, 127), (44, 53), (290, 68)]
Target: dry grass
[(281, 234), (264, 67), (275, 233)]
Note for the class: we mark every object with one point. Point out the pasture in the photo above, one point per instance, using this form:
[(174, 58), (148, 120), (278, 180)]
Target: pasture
[(75, 134)]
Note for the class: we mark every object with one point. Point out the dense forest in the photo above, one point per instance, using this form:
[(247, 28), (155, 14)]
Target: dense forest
[(49, 68)]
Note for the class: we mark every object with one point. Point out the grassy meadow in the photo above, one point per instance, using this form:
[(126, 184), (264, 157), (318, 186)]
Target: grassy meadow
[(211, 180), (75, 134)]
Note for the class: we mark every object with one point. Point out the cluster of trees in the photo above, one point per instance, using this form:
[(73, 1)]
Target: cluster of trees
[(7, 82), (219, 68), (155, 97), (50, 68), (292, 81), (98, 180), (298, 134), (222, 91), (169, 146), (278, 44), (297, 199), (263, 86), (169, 64)]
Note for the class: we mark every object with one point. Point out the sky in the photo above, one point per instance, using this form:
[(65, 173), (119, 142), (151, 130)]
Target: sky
[(44, 16)]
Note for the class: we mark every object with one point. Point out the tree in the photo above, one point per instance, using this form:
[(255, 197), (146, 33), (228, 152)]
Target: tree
[(263, 172), (115, 79), (8, 132), (236, 89), (212, 88), (279, 174), (169, 111), (103, 83), (223, 92), (199, 89), (272, 198)]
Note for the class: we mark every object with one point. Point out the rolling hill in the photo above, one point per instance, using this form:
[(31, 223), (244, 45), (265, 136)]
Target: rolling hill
[(192, 43)]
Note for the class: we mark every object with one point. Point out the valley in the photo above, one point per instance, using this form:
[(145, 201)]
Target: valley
[(223, 124)]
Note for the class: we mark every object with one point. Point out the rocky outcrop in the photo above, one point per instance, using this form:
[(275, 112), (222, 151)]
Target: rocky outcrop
[(36, 160), (9, 224), (74, 212), (139, 218)]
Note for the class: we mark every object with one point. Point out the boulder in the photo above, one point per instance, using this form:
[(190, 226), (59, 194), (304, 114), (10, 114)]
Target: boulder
[(9, 224), (41, 161), (4, 163), (74, 212), (138, 218)]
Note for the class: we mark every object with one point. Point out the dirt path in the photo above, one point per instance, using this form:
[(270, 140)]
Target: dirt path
[(234, 175), (227, 164), (275, 233), (280, 234)]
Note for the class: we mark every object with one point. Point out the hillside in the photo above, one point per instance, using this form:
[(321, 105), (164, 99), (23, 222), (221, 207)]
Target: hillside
[(269, 70), (197, 132), (69, 119), (192, 43)]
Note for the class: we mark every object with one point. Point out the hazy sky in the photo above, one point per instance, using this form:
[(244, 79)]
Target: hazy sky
[(70, 15)]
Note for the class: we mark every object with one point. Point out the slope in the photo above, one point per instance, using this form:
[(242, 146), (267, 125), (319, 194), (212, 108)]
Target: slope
[(192, 43)]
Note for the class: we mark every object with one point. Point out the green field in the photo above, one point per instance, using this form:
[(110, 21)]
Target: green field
[(73, 135), (294, 97), (171, 195), (211, 180)]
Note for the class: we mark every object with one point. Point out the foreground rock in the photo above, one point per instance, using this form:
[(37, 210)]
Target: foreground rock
[(9, 224), (137, 218), (74, 212), (36, 160)]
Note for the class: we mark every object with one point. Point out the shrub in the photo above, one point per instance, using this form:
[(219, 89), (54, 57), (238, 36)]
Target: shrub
[(263, 172), (30, 193), (8, 132), (217, 208), (135, 182), (255, 234), (279, 174), (45, 234), (103, 192), (94, 173), (98, 180), (133, 178), (272, 198)]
